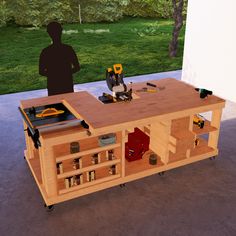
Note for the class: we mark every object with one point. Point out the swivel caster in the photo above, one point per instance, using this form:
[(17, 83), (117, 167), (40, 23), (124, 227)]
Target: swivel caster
[(213, 158), (122, 185), (24, 157), (49, 208), (161, 173)]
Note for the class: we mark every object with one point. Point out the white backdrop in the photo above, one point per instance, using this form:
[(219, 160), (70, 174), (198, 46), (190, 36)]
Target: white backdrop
[(210, 46)]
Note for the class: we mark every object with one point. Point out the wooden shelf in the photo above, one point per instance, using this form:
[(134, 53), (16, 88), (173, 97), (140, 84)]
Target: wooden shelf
[(206, 129), (88, 184), (134, 167), (89, 168), (87, 152), (202, 148), (167, 119)]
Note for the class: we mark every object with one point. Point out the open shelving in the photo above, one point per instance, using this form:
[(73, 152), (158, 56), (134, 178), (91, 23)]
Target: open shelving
[(141, 165)]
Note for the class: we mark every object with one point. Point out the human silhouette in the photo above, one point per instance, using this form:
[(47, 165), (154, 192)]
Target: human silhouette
[(58, 62)]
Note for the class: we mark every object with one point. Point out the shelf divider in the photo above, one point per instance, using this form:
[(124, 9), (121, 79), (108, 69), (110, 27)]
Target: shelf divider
[(87, 152), (88, 184), (88, 168)]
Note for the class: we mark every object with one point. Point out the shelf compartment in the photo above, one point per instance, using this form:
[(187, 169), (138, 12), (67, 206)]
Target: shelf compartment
[(63, 190), (206, 129), (84, 145), (87, 152), (177, 125), (202, 148), (181, 141), (134, 167), (87, 159), (177, 156), (180, 135), (35, 168), (89, 168)]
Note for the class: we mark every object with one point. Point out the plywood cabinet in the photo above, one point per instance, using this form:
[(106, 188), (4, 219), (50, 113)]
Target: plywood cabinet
[(165, 116)]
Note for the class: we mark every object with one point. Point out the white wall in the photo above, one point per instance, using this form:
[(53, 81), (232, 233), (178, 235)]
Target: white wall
[(210, 46)]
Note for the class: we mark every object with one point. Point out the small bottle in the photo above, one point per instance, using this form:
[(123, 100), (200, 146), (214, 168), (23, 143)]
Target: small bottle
[(110, 155), (74, 147), (95, 158), (71, 181), (90, 176), (78, 179), (59, 168), (112, 170), (76, 163), (67, 183)]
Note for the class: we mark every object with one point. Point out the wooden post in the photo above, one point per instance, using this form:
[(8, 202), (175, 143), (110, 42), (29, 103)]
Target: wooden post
[(214, 135), (29, 143), (49, 169), (159, 139), (80, 19)]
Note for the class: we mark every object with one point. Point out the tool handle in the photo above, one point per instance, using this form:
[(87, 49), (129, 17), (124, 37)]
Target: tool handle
[(118, 68), (150, 84)]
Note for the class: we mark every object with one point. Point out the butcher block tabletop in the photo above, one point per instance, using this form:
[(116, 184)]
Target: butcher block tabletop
[(172, 97)]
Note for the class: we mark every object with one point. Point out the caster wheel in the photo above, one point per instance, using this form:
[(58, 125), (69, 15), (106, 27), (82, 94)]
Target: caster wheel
[(49, 208), (24, 157), (122, 185), (161, 173), (212, 158)]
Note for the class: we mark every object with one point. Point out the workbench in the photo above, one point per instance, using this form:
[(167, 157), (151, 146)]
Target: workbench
[(166, 116)]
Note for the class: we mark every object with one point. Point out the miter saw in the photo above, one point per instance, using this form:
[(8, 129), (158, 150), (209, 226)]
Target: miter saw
[(115, 82)]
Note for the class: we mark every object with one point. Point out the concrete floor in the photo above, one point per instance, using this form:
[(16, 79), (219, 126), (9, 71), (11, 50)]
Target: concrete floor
[(197, 199)]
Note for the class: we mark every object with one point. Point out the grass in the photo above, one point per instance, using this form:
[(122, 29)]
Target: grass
[(141, 45)]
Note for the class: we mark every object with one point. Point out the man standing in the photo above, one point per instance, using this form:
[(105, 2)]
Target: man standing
[(58, 62)]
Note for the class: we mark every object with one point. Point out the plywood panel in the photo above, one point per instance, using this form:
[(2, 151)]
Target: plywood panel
[(98, 115)]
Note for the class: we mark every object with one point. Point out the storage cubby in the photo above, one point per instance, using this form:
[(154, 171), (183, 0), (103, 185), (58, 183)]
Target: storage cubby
[(142, 165), (90, 162)]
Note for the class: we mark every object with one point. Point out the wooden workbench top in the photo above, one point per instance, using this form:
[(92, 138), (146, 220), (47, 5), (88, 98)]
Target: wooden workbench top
[(176, 96)]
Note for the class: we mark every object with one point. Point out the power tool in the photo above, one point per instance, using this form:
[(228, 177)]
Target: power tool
[(115, 82), (203, 92)]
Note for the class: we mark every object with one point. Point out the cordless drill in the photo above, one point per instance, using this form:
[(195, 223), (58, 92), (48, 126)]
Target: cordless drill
[(203, 92)]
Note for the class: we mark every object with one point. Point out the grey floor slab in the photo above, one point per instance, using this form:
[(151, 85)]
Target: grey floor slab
[(196, 200)]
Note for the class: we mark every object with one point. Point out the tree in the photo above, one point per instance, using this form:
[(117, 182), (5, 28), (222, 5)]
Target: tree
[(178, 6)]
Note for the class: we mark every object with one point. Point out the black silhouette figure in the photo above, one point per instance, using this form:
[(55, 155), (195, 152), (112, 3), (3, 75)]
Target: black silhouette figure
[(58, 62)]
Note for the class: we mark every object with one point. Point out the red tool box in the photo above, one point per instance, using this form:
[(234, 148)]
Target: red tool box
[(137, 145)]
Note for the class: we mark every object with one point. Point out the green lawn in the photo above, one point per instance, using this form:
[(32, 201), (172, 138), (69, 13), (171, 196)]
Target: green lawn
[(141, 45)]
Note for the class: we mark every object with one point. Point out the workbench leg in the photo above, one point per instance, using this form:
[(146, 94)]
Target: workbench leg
[(214, 135), (49, 208), (49, 171), (41, 160), (29, 144)]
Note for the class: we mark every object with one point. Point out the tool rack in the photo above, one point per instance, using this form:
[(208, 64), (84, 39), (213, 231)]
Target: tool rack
[(165, 116)]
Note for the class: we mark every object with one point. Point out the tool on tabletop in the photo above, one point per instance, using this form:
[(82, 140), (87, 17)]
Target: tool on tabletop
[(145, 89), (49, 118), (203, 92), (154, 88), (150, 84), (115, 82)]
